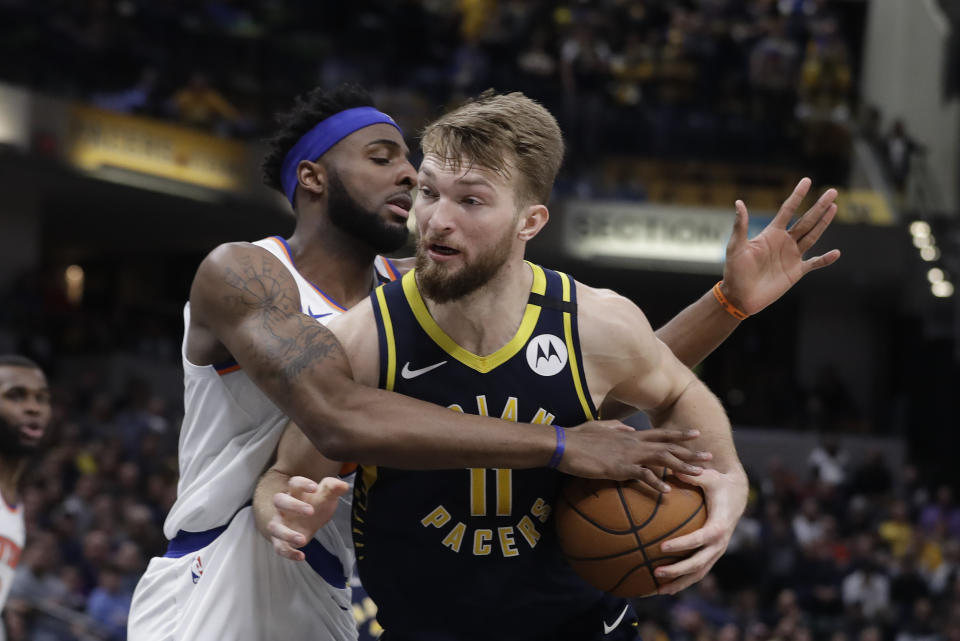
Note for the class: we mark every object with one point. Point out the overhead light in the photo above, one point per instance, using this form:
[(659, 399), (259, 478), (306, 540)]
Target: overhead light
[(942, 289), (935, 275), (929, 253), (919, 228), (923, 241), (73, 277)]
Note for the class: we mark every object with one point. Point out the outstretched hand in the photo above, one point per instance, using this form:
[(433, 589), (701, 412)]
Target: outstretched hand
[(303, 509), (760, 270)]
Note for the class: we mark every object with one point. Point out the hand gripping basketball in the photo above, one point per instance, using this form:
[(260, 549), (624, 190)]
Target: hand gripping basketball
[(611, 531), (302, 510), (726, 497)]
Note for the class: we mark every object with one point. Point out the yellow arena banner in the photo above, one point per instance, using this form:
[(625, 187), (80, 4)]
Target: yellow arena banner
[(99, 140), (863, 206)]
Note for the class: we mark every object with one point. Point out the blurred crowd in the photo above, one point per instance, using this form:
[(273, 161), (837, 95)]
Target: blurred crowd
[(845, 552), (734, 79), (94, 505)]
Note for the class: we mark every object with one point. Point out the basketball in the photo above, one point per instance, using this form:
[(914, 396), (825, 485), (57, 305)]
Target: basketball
[(610, 531)]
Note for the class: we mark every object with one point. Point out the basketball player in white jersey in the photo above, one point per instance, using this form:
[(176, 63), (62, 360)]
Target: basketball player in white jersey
[(254, 353), (24, 416)]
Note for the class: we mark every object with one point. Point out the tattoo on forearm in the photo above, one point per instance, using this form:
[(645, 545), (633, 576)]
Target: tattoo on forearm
[(290, 342)]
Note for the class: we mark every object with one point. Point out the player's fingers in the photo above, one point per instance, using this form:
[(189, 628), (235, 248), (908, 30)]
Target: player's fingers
[(290, 505), (664, 435), (689, 565), (813, 216), (332, 487), (672, 461), (616, 425), (301, 484), (818, 262), (790, 205), (741, 223), (684, 453), (288, 535), (807, 239), (680, 584), (286, 551), (651, 480), (708, 535)]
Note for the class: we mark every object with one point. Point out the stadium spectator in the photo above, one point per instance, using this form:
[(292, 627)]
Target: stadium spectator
[(200, 105), (109, 603)]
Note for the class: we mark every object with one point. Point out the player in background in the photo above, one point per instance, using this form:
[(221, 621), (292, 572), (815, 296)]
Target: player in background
[(255, 351), (471, 293), (24, 417)]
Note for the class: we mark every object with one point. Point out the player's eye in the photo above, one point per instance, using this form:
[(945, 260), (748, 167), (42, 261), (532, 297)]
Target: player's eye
[(426, 192), (381, 161), (470, 200)]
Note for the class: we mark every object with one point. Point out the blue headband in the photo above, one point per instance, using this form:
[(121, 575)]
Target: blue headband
[(325, 135)]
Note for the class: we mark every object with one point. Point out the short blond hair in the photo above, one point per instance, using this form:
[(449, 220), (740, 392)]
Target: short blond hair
[(501, 132)]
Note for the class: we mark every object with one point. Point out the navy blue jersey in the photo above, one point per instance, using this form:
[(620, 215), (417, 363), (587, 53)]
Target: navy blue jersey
[(471, 553)]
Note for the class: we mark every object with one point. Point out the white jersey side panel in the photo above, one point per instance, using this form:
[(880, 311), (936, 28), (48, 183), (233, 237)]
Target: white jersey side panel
[(12, 536)]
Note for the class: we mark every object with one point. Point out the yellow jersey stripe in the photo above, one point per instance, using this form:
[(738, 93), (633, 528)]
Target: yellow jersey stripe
[(391, 345), (482, 364), (571, 352)]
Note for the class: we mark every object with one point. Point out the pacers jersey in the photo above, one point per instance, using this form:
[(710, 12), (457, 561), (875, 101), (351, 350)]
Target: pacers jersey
[(471, 553), (12, 536), (231, 428)]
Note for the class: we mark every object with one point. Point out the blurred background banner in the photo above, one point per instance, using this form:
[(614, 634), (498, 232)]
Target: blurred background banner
[(657, 237), (130, 139), (101, 141)]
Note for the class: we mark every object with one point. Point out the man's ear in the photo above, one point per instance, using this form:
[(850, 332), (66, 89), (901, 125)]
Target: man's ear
[(532, 220), (312, 177)]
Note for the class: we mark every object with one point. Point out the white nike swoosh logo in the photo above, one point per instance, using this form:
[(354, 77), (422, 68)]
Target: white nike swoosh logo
[(408, 373), (607, 629)]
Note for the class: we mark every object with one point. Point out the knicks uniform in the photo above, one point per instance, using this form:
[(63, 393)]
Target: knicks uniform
[(220, 579), (13, 532), (468, 554)]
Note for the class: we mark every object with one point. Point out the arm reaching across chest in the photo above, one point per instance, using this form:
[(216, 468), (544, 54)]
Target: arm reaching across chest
[(247, 305)]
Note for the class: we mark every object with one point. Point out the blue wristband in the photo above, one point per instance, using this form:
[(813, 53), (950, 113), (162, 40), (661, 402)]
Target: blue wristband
[(561, 446)]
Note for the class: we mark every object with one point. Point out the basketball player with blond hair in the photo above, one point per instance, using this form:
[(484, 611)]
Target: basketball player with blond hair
[(477, 329), (256, 354), (24, 417)]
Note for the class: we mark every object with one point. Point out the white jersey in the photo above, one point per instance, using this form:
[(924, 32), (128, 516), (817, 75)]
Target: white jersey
[(229, 433), (231, 429), (13, 532)]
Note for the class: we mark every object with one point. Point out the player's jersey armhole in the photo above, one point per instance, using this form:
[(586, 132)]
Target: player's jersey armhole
[(385, 336), (572, 340)]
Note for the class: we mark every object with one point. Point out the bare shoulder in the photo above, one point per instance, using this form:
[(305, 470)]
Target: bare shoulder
[(605, 318), (356, 330), (616, 341)]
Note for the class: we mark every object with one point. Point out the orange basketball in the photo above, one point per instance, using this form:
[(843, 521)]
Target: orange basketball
[(610, 531)]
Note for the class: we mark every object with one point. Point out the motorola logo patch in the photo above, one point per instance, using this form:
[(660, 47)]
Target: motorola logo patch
[(546, 354)]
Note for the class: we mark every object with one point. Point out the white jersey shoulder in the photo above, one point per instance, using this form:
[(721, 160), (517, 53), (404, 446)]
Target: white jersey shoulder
[(231, 428), (13, 533)]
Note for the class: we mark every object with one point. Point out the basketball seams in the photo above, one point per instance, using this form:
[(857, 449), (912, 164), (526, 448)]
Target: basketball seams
[(620, 566), (679, 525), (631, 530), (636, 534), (630, 572)]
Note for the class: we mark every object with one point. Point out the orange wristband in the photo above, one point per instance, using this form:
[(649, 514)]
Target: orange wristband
[(727, 305)]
